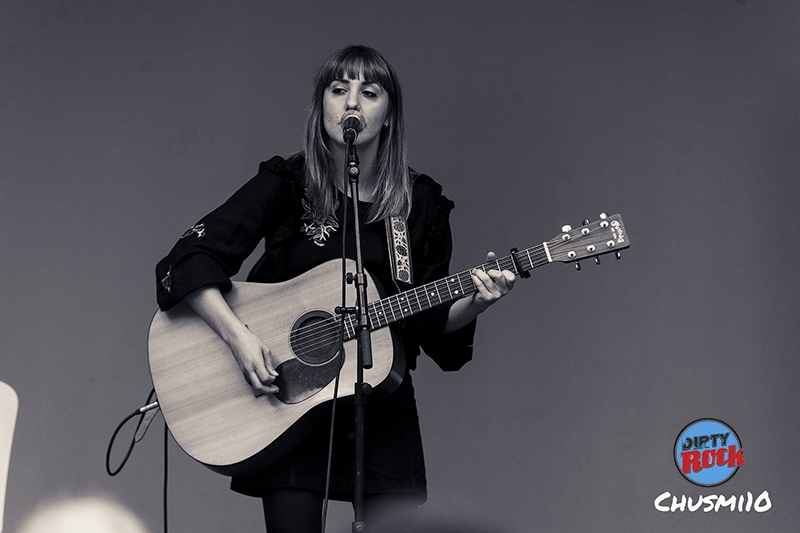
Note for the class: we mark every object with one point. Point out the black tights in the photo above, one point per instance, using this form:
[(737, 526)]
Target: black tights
[(300, 511)]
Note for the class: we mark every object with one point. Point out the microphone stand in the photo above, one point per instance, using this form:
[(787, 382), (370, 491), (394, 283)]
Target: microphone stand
[(364, 340)]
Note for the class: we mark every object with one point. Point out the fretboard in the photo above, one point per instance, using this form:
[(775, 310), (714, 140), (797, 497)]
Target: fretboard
[(455, 286)]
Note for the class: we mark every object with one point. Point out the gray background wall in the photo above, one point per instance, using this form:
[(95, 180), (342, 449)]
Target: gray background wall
[(122, 122)]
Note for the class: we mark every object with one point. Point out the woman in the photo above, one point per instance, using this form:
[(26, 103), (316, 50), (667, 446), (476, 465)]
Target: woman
[(296, 205)]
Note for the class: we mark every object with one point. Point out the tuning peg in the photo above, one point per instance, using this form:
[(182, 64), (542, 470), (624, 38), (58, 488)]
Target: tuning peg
[(603, 216), (577, 266), (597, 260), (585, 221), (566, 228), (619, 255)]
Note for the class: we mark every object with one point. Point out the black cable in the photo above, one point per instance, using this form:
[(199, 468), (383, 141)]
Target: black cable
[(111, 444), (141, 411)]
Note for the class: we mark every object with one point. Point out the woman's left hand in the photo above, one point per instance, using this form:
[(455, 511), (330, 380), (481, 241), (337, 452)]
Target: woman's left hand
[(492, 285)]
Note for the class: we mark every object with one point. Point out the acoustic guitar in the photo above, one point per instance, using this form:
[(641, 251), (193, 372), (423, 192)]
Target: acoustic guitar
[(212, 412)]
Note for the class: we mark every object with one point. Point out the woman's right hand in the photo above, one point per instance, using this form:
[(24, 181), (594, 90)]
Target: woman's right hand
[(255, 361), (253, 356)]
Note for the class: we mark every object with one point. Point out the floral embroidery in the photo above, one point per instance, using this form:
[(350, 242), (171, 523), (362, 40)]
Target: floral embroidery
[(320, 227), (166, 281), (200, 229)]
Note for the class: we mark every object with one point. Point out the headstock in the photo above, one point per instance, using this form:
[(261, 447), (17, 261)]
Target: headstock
[(604, 236)]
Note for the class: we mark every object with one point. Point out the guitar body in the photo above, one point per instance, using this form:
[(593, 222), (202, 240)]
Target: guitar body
[(210, 409)]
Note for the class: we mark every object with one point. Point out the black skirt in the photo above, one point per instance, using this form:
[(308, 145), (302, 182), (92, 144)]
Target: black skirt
[(393, 458)]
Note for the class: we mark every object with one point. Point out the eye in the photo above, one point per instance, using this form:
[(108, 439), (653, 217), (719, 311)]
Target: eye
[(338, 90), (369, 94)]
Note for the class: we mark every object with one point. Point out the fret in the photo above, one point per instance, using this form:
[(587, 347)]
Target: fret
[(449, 295), (397, 307), (405, 307), (416, 295), (350, 330), (438, 296), (460, 284), (530, 261), (452, 281), (374, 316), (412, 297), (410, 302), (391, 310), (509, 265), (385, 316), (382, 313), (471, 284)]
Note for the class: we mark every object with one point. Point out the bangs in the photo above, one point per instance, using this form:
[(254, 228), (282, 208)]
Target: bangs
[(358, 62)]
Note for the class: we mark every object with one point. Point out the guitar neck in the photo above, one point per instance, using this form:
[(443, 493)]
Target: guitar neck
[(455, 286), (603, 236)]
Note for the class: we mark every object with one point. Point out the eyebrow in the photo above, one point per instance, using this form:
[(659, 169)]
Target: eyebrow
[(364, 82)]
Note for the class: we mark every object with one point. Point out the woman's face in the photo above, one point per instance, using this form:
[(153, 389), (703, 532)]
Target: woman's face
[(367, 99)]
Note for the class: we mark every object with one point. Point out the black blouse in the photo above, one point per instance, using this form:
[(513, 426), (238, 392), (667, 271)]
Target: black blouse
[(272, 206)]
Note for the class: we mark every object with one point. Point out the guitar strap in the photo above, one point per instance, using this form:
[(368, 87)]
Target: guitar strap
[(399, 249)]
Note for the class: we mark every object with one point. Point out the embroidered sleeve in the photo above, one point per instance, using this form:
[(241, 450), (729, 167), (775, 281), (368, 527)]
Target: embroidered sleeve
[(213, 249)]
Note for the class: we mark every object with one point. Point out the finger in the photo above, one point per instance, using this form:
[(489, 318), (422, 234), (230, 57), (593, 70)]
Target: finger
[(260, 379), (261, 390), (487, 292), (482, 281), (264, 374), (263, 381), (502, 278), (266, 354), (491, 257), (495, 282)]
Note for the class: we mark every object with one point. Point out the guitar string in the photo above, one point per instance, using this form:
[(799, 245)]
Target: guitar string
[(322, 333), (396, 306), (317, 335), (313, 333), (311, 338)]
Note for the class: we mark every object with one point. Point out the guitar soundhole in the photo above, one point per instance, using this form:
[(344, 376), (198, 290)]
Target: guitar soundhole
[(314, 340), (315, 337)]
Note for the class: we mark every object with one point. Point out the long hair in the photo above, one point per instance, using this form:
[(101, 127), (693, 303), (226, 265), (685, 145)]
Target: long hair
[(392, 178)]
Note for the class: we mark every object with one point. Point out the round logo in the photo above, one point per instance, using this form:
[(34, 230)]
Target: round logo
[(708, 452)]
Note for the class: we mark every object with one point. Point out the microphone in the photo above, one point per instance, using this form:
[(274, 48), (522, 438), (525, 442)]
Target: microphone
[(352, 124)]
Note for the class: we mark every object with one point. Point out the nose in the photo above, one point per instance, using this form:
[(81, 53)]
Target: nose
[(352, 101)]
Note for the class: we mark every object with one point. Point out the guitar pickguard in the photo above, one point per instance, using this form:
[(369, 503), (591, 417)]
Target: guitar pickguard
[(298, 381)]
